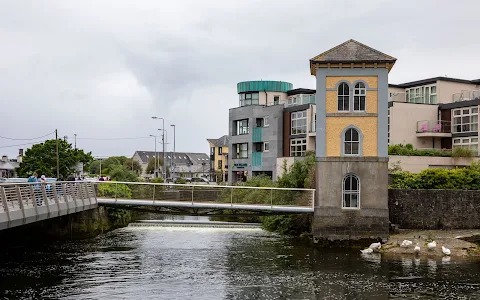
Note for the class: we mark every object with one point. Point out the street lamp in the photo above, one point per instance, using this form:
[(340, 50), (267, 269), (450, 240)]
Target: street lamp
[(164, 132), (163, 142), (173, 167), (155, 170)]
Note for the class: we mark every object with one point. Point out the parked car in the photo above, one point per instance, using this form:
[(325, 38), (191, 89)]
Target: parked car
[(199, 180)]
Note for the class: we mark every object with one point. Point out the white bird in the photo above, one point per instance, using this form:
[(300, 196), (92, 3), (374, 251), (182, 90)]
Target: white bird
[(375, 246), (432, 245), (446, 251), (417, 248), (367, 251), (406, 244)]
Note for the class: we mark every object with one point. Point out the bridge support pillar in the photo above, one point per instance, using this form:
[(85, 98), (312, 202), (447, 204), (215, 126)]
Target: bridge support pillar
[(344, 213)]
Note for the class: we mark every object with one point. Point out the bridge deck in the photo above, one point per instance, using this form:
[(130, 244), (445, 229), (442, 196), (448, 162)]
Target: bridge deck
[(207, 205)]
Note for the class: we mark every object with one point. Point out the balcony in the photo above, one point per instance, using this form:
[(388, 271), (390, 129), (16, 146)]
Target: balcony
[(313, 129), (466, 95), (256, 159), (433, 128), (413, 98), (257, 136)]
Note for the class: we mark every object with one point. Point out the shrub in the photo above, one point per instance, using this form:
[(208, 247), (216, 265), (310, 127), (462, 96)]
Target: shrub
[(462, 152), (111, 190), (408, 150)]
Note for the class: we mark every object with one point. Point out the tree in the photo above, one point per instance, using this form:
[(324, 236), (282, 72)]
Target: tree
[(151, 165), (121, 173), (42, 159), (133, 165)]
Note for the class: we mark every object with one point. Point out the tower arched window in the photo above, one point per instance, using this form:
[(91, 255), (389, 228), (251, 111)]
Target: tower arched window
[(351, 142), (351, 191), (343, 94), (359, 95)]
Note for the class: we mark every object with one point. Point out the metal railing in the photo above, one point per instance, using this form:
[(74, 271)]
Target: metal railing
[(220, 194), (313, 126), (434, 126), (466, 95), (22, 203)]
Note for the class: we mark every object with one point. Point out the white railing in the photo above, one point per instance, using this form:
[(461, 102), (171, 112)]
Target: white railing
[(22, 203), (221, 194)]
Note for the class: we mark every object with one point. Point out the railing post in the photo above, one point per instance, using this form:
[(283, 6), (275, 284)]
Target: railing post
[(54, 190), (192, 193), (231, 196), (20, 202), (83, 186), (116, 189), (271, 198), (4, 202), (313, 199), (45, 198), (153, 196), (65, 196), (34, 200)]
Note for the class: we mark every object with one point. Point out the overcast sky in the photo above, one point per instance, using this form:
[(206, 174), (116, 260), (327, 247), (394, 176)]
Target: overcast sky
[(102, 69)]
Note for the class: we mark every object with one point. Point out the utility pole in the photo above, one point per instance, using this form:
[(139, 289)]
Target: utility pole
[(164, 170), (156, 156), (58, 160), (173, 158)]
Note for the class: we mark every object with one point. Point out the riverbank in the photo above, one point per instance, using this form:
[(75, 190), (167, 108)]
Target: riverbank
[(458, 241)]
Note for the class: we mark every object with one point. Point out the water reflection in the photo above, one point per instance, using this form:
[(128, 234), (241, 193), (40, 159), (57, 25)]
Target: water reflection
[(215, 263)]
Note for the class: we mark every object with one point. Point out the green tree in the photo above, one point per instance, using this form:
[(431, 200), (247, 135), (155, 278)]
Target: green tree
[(151, 165), (301, 174), (133, 165), (42, 159), (121, 173)]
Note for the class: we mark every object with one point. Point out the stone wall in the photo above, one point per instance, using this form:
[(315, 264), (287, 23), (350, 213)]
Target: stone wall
[(434, 209)]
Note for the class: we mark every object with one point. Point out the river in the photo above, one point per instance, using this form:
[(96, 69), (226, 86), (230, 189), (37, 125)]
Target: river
[(152, 262)]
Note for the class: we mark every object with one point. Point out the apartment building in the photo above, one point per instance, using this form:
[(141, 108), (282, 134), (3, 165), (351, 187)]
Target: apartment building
[(219, 158), (273, 120), (438, 113)]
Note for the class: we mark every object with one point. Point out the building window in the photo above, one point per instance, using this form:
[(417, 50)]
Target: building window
[(351, 191), (212, 151), (465, 119), (343, 97), (265, 121), (241, 127), (299, 122), (219, 164), (351, 142), (423, 94), (359, 94), (298, 147), (276, 100), (266, 146), (470, 143), (219, 150), (241, 150), (248, 99)]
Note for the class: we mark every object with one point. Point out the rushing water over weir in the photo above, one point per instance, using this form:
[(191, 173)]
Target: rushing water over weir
[(157, 261)]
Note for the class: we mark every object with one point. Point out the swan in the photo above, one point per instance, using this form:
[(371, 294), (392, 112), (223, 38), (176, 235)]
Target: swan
[(432, 245), (367, 251), (417, 248), (446, 251), (375, 246), (406, 244)]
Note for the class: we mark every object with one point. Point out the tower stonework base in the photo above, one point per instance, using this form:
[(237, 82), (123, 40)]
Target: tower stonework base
[(333, 223)]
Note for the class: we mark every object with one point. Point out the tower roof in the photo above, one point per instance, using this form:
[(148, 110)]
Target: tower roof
[(351, 52)]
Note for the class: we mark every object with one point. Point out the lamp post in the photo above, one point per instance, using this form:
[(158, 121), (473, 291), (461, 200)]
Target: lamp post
[(163, 143), (164, 166), (173, 164), (155, 170)]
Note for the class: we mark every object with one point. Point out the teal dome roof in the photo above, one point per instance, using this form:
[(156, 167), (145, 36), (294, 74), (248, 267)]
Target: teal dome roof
[(262, 85)]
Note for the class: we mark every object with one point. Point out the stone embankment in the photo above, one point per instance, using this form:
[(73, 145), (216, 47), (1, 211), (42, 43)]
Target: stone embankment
[(460, 243)]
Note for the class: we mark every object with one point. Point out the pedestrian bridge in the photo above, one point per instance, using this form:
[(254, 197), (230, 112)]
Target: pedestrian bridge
[(23, 203), (195, 199)]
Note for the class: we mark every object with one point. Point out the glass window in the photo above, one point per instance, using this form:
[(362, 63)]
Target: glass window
[(465, 119), (265, 121), (351, 191), (351, 142), (241, 127), (220, 164), (219, 150), (359, 94), (471, 143), (299, 122), (212, 151), (298, 147), (241, 150), (266, 146), (343, 95), (276, 100)]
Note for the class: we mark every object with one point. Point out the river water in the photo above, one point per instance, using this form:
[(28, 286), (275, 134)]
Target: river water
[(219, 263)]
